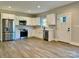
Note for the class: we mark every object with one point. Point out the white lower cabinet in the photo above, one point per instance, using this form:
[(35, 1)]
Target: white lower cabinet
[(48, 35), (40, 33), (51, 35), (17, 34)]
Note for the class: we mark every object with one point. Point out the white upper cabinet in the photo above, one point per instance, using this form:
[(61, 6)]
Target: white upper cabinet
[(7, 16), (27, 19), (38, 20), (35, 21), (32, 21), (16, 21), (51, 19)]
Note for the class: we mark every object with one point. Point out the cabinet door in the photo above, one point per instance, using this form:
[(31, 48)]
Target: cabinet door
[(38, 21), (51, 19), (35, 21), (17, 34), (7, 16), (16, 21), (28, 19), (51, 35), (39, 33)]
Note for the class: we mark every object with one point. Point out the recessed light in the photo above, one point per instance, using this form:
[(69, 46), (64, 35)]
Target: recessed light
[(9, 7), (38, 6), (29, 10)]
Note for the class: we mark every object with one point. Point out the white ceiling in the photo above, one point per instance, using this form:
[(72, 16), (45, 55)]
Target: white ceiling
[(25, 6)]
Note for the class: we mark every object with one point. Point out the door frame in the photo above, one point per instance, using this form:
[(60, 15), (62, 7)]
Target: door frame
[(64, 14)]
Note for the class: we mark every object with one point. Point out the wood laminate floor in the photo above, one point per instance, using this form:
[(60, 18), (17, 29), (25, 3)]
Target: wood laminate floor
[(36, 48)]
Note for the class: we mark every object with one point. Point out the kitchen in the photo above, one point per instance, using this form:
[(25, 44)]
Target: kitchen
[(44, 29), (26, 27)]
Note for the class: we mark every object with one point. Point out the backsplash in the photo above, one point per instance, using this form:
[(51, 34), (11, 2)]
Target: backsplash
[(22, 27)]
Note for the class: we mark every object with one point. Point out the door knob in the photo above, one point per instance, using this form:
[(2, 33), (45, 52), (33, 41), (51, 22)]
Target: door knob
[(68, 29)]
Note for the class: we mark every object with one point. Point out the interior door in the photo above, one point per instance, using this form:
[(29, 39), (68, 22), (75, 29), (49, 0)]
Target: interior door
[(64, 27)]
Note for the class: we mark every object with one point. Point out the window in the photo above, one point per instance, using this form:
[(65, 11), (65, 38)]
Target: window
[(43, 21)]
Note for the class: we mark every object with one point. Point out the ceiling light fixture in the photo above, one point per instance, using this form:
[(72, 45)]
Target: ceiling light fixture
[(9, 7), (29, 10), (38, 6)]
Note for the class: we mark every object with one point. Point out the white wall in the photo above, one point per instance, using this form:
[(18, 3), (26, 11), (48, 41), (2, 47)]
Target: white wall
[(74, 9)]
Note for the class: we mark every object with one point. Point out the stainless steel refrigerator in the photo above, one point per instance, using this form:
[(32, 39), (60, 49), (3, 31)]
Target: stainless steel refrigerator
[(7, 27)]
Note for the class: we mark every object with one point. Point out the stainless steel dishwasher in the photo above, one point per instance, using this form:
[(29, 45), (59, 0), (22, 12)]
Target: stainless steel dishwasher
[(45, 34)]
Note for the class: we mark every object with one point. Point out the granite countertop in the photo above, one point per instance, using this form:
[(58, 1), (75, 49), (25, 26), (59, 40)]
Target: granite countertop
[(46, 29)]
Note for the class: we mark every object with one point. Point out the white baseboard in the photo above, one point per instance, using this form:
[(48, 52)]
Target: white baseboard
[(73, 43)]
